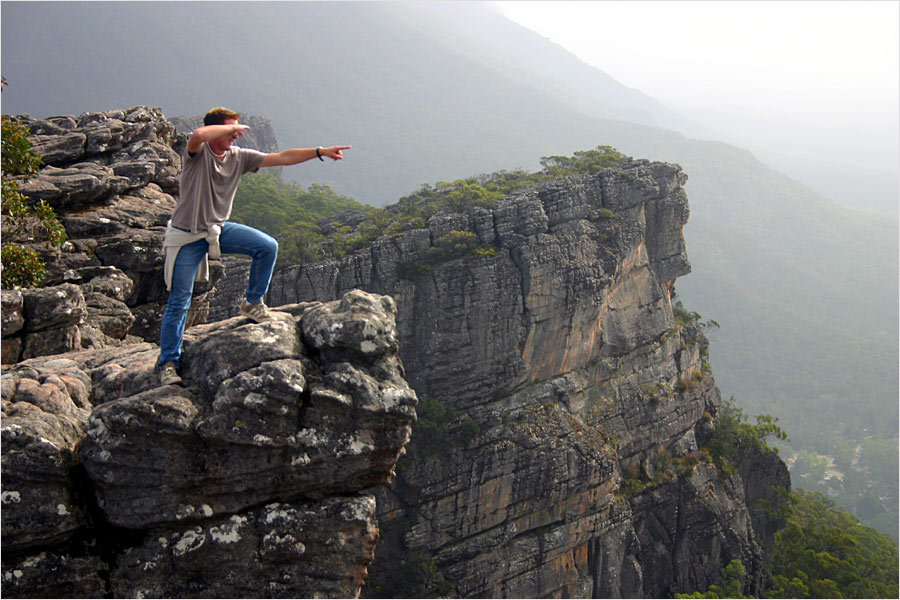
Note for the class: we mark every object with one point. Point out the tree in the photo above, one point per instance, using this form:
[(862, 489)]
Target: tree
[(732, 432), (824, 552), (585, 162), (23, 221), (732, 583), (290, 214)]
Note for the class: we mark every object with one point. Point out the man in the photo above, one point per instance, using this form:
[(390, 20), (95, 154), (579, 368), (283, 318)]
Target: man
[(213, 167)]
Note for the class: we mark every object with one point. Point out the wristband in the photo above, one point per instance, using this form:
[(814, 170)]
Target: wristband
[(319, 154)]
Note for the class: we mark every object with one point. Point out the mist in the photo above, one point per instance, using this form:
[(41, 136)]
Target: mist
[(811, 88), (854, 160)]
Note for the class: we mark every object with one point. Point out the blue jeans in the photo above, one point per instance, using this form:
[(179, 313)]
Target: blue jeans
[(235, 239)]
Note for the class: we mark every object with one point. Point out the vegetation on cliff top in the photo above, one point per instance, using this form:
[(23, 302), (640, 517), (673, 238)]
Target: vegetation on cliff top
[(732, 433), (318, 223)]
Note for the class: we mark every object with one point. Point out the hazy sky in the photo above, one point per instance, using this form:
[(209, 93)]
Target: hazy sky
[(809, 76)]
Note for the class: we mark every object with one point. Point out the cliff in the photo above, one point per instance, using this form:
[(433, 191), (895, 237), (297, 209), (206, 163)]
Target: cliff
[(563, 404), (570, 405), (260, 136)]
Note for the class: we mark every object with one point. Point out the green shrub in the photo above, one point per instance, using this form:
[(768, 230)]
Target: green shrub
[(664, 466), (583, 162), (470, 430), (22, 221), (456, 244), (21, 266), (731, 433), (732, 583), (683, 316), (432, 433)]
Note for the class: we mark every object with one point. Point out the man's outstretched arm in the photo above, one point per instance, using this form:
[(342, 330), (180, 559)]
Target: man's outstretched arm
[(207, 133), (298, 155)]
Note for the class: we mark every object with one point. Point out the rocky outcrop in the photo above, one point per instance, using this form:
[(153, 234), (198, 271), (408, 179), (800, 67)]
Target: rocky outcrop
[(112, 178), (87, 312), (243, 483), (247, 481), (563, 454)]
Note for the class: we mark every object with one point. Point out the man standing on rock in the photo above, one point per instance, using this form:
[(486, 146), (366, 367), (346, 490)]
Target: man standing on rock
[(213, 167)]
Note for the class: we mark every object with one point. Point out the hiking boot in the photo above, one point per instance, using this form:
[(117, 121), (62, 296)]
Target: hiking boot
[(168, 375), (255, 312)]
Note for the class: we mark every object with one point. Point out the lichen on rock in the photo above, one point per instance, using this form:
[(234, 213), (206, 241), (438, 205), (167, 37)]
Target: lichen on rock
[(92, 447)]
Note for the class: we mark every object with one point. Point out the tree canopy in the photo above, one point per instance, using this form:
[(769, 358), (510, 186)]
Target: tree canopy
[(825, 552)]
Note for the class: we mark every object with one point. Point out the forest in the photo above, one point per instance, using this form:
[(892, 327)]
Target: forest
[(822, 552)]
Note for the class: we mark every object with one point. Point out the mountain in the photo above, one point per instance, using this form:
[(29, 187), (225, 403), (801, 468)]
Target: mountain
[(373, 74), (805, 290)]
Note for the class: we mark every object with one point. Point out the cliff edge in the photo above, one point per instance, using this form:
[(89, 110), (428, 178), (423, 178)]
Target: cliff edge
[(243, 483), (250, 480)]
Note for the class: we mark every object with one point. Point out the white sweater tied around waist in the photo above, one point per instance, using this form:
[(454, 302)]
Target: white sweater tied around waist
[(176, 238)]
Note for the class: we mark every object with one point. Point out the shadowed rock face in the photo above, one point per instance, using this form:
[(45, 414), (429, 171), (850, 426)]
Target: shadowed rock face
[(113, 178), (244, 482)]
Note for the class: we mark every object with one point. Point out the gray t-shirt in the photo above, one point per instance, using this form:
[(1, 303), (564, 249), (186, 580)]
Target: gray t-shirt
[(208, 186)]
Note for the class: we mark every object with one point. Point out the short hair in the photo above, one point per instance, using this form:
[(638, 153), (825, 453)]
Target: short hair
[(218, 115)]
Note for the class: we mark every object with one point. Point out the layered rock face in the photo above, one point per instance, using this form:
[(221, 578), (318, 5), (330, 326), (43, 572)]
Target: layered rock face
[(260, 136), (243, 483), (573, 402)]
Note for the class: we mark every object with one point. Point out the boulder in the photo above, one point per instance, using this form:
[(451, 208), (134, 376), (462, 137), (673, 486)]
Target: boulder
[(53, 307), (275, 425), (75, 187), (13, 317), (45, 411), (248, 480), (282, 550)]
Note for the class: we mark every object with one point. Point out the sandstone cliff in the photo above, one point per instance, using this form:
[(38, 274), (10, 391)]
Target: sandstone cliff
[(563, 406), (574, 404)]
